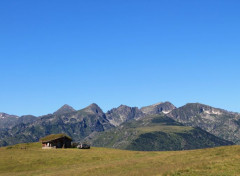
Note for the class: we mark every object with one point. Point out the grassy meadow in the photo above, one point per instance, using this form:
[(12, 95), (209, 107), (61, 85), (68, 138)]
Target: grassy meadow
[(166, 129), (30, 159)]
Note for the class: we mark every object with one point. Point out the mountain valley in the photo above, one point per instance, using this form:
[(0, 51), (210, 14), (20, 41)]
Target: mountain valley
[(161, 126)]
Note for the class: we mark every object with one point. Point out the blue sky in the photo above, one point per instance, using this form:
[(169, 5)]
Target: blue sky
[(133, 52)]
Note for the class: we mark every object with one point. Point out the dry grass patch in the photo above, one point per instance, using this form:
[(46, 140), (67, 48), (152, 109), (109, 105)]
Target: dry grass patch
[(30, 159)]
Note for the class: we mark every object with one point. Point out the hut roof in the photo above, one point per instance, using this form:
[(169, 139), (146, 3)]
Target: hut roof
[(54, 137)]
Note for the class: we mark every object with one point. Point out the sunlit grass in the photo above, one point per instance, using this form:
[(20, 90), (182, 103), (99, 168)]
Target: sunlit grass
[(166, 129), (30, 159)]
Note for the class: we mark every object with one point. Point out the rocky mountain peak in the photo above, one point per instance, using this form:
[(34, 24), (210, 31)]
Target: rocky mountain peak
[(162, 107), (93, 109), (123, 113), (4, 116), (7, 121), (123, 107), (217, 121), (202, 108), (64, 109)]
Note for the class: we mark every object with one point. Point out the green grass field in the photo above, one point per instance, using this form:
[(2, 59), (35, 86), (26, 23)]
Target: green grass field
[(30, 159), (166, 129)]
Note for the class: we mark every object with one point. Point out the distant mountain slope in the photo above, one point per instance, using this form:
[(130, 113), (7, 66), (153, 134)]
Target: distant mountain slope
[(64, 109), (158, 108), (8, 121), (77, 124), (123, 113), (128, 127), (216, 121), (156, 133)]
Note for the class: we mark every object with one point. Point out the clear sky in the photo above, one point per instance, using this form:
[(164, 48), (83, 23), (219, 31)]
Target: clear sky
[(112, 52)]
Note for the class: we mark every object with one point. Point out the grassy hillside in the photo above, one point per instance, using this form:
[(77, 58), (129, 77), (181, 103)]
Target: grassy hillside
[(30, 159), (156, 133)]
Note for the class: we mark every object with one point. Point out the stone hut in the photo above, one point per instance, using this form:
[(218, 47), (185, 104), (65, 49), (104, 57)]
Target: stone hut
[(56, 141)]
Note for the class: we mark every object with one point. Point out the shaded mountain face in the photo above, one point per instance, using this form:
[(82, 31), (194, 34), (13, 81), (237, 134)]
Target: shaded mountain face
[(64, 109), (123, 113), (156, 133), (26, 119), (158, 108), (216, 121), (8, 121), (77, 124), (93, 109)]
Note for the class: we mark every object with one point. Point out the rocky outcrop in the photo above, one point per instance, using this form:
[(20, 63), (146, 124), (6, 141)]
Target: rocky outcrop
[(216, 121), (158, 108), (64, 109), (7, 121), (122, 114)]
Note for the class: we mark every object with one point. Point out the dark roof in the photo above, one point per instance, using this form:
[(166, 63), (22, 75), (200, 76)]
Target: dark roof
[(53, 137)]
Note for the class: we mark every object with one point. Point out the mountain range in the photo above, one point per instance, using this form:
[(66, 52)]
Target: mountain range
[(161, 126)]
